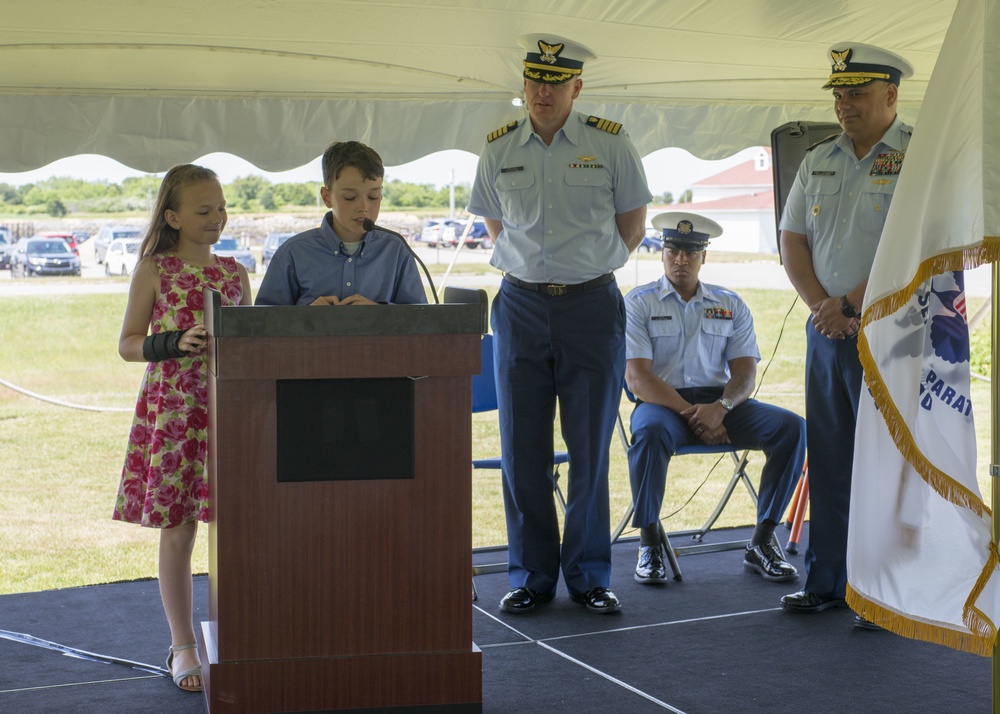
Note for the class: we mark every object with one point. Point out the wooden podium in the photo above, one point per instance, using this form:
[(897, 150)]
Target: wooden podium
[(349, 589)]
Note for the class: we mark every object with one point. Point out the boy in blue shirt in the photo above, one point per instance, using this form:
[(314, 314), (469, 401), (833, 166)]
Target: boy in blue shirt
[(339, 262)]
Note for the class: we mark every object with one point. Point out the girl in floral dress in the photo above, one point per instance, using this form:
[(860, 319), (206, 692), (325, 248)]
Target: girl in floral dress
[(164, 481)]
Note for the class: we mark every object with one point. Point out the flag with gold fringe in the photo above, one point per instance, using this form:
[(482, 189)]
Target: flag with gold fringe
[(921, 561)]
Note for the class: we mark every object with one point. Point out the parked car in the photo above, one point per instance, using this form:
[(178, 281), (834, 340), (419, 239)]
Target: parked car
[(6, 247), (478, 236), (107, 234), (271, 243), (652, 241), (446, 232), (122, 255), (229, 246), (440, 231), (68, 237), (81, 237), (43, 256)]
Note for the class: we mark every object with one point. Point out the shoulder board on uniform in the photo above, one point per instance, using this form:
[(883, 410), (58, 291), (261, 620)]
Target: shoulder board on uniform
[(501, 131), (612, 127), (823, 141)]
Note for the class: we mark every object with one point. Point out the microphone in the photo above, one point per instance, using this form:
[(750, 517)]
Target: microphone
[(369, 225)]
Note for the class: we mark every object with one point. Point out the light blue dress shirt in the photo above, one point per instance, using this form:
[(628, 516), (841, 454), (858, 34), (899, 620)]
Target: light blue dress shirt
[(840, 202), (315, 264), (558, 202), (690, 343)]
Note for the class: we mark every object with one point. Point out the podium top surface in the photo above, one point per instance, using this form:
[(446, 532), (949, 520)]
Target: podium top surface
[(309, 320)]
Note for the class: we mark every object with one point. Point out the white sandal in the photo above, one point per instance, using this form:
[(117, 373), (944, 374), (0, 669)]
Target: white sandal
[(181, 676)]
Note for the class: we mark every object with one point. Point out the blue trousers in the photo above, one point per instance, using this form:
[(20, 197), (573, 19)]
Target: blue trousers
[(570, 350), (834, 380), (657, 433)]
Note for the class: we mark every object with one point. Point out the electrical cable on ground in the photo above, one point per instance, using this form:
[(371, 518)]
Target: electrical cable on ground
[(60, 403), (81, 654)]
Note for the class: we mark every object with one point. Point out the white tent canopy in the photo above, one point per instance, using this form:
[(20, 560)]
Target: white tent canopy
[(153, 84)]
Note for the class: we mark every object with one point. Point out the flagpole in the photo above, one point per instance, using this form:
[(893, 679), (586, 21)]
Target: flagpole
[(995, 453)]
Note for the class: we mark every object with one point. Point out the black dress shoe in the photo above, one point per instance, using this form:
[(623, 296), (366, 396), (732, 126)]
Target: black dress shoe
[(764, 559), (521, 600), (600, 600), (863, 624), (651, 568), (808, 603)]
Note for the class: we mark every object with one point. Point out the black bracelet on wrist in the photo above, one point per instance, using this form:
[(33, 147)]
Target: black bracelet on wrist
[(163, 345)]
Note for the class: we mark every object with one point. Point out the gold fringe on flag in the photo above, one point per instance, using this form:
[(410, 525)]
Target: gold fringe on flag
[(978, 641), (982, 634)]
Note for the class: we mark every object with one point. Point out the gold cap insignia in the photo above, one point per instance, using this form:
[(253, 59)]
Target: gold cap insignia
[(840, 59), (549, 53), (685, 227)]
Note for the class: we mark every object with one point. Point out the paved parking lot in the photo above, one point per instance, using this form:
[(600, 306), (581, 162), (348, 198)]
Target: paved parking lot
[(752, 273)]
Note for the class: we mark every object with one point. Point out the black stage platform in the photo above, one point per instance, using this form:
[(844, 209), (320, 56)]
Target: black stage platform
[(714, 643)]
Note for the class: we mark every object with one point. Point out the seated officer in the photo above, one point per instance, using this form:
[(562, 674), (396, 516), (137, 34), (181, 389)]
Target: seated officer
[(692, 364)]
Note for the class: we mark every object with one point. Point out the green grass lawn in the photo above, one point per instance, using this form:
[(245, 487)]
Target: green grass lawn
[(61, 465)]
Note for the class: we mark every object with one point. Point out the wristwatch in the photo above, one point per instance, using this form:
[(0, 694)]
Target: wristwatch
[(846, 308), (727, 403)]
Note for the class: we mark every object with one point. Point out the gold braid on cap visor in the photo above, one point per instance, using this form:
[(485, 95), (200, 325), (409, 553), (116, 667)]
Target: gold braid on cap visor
[(852, 78), (547, 75)]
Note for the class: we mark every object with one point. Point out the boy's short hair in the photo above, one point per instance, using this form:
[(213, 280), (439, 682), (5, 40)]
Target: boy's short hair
[(342, 154)]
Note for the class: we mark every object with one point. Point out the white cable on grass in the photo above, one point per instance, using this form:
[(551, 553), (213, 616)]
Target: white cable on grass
[(61, 403)]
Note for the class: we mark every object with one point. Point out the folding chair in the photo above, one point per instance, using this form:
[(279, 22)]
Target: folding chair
[(738, 475)]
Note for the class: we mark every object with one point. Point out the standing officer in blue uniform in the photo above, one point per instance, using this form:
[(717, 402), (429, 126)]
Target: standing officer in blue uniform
[(564, 199), (692, 365), (830, 229)]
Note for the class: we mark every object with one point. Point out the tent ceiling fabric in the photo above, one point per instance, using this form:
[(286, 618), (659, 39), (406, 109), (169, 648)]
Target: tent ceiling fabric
[(153, 84)]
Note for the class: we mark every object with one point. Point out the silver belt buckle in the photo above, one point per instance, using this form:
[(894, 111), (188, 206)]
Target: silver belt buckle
[(555, 290)]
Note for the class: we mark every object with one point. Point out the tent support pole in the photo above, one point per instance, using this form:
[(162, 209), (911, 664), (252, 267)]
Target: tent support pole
[(995, 453)]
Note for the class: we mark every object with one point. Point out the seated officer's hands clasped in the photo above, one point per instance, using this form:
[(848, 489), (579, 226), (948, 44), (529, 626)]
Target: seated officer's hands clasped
[(705, 421)]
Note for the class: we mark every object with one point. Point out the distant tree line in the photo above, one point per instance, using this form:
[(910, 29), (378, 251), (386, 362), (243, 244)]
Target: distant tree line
[(61, 196)]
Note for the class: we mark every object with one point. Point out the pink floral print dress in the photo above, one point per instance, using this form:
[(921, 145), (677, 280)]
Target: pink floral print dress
[(164, 481)]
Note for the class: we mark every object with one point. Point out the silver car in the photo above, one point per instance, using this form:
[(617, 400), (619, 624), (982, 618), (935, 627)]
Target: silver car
[(43, 256)]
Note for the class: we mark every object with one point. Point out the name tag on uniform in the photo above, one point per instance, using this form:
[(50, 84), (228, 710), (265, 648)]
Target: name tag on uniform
[(510, 169), (718, 313), (661, 317), (824, 173)]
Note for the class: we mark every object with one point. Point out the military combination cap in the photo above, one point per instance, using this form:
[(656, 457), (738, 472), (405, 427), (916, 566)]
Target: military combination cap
[(552, 59), (856, 64), (686, 231)]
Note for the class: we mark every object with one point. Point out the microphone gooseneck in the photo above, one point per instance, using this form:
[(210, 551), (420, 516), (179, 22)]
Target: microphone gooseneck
[(369, 225)]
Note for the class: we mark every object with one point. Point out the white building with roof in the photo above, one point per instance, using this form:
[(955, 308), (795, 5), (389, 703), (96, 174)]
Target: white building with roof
[(741, 200)]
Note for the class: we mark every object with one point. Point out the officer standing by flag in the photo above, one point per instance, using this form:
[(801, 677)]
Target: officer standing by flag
[(564, 199), (830, 230)]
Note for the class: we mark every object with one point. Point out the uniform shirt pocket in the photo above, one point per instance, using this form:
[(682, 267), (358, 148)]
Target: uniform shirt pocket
[(874, 205), (822, 192), (716, 334), (584, 188), (518, 199), (667, 340)]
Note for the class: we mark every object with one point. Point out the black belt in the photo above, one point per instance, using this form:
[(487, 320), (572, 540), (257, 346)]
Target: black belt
[(558, 289)]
